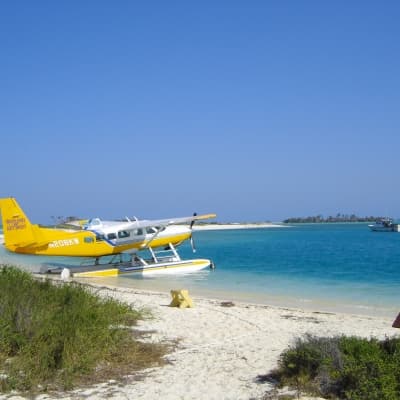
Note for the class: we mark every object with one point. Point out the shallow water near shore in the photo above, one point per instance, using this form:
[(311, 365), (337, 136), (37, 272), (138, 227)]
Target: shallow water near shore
[(323, 267)]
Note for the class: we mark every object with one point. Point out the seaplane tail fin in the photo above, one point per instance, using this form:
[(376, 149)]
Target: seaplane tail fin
[(18, 230)]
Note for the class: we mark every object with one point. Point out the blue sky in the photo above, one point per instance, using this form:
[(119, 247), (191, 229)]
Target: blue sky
[(255, 110)]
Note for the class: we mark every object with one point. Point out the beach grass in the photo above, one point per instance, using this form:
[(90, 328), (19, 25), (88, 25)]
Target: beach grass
[(59, 336), (350, 368)]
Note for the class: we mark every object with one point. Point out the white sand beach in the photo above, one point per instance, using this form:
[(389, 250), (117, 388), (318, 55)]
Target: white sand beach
[(234, 225), (222, 346)]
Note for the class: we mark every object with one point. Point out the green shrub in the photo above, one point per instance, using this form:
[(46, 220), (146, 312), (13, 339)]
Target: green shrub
[(57, 336), (343, 367)]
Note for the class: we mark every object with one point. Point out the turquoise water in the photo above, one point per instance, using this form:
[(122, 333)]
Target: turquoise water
[(328, 267)]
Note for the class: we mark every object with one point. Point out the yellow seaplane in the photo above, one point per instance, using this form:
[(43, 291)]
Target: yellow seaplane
[(123, 240)]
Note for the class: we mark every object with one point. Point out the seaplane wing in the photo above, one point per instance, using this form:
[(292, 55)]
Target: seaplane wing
[(147, 233), (172, 221)]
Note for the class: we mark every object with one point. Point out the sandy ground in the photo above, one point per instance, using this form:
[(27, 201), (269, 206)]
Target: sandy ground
[(222, 349), (209, 227)]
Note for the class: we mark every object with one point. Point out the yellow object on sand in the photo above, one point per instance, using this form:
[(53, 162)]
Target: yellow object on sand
[(181, 299)]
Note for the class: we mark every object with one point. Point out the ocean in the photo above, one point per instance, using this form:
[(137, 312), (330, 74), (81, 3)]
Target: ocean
[(321, 267)]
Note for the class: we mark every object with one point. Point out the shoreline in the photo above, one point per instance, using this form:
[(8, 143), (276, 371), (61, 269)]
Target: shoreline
[(309, 299), (222, 346), (308, 304)]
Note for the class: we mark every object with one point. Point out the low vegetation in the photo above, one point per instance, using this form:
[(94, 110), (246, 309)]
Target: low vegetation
[(330, 219), (56, 337), (348, 368)]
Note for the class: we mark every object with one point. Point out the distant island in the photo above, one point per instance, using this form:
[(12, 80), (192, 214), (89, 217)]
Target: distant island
[(338, 218)]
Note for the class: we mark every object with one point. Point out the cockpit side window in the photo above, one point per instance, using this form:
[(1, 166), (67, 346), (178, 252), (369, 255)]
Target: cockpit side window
[(123, 234), (111, 236), (99, 237)]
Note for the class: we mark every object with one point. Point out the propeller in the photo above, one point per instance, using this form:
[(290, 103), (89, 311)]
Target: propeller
[(191, 235)]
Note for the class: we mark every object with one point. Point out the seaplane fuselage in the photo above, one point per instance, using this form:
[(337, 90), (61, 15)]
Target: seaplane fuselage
[(86, 243)]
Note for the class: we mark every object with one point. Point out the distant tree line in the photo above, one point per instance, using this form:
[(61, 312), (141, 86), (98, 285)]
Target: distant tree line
[(338, 218)]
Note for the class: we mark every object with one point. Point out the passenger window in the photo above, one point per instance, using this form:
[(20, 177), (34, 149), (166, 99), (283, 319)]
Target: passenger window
[(123, 234), (151, 230), (139, 232)]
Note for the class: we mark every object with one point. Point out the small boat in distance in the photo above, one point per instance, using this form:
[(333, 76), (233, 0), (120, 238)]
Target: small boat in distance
[(384, 225)]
